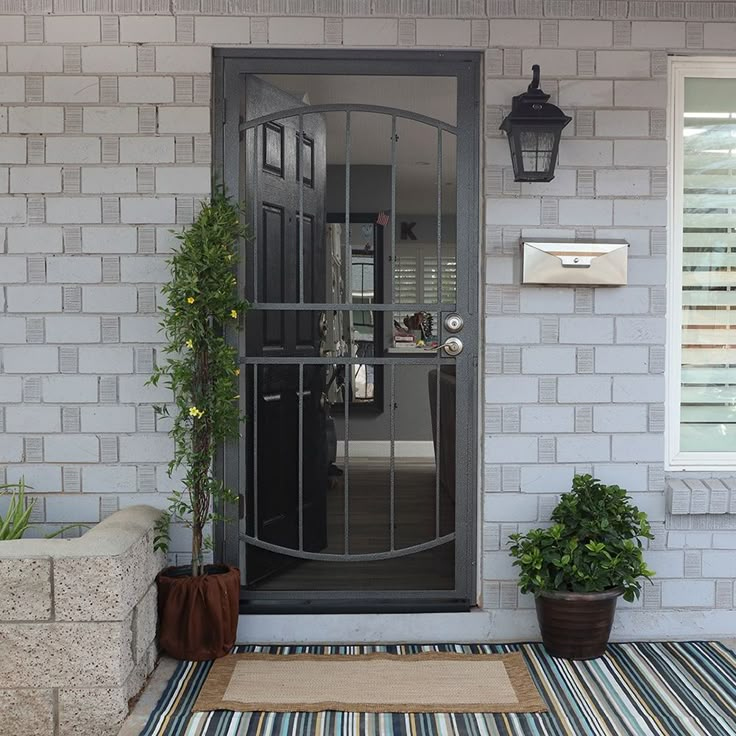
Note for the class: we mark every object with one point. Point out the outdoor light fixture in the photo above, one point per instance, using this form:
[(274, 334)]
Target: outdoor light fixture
[(534, 127)]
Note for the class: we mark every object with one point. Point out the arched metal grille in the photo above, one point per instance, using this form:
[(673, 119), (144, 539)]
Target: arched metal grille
[(254, 133)]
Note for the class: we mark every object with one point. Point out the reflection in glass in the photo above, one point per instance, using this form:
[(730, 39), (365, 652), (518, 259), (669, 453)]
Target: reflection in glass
[(361, 330), (708, 377), (388, 491)]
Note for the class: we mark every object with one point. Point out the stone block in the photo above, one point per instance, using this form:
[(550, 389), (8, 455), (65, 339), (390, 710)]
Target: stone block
[(72, 29), (87, 654), (37, 119), (507, 330), (25, 593), (146, 89), (86, 711), (148, 28), (109, 299), (71, 89), (583, 448), (145, 623), (184, 121), (512, 32), (232, 30), (104, 588), (512, 389), (27, 712), (511, 449), (309, 31)]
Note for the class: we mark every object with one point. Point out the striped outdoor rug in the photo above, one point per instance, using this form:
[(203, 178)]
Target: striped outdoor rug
[(647, 689)]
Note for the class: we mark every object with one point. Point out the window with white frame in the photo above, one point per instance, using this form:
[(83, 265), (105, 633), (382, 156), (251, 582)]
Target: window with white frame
[(701, 369)]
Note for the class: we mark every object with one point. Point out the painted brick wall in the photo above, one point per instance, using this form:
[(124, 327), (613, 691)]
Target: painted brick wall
[(105, 146)]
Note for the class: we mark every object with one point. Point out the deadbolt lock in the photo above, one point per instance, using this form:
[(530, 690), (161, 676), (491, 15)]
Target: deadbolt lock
[(454, 323)]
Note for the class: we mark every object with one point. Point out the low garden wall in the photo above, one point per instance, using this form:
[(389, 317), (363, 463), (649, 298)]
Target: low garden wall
[(77, 627)]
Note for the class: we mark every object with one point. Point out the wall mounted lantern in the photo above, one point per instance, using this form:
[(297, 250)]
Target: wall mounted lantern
[(534, 127)]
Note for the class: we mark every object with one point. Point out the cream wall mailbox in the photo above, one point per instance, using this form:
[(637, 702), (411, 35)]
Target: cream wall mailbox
[(589, 262)]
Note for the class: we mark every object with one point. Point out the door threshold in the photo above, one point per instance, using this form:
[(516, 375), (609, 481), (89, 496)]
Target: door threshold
[(366, 628)]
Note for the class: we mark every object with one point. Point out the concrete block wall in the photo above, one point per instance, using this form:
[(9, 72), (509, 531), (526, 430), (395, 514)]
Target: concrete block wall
[(105, 146), (78, 626)]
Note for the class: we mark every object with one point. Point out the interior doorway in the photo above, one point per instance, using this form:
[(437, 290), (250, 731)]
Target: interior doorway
[(356, 470)]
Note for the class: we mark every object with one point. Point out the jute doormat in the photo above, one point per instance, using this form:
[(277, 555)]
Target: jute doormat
[(431, 682)]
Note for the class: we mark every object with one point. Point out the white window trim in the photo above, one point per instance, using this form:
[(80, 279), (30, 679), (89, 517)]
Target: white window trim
[(679, 69)]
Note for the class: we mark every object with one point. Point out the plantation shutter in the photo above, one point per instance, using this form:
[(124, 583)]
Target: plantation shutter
[(430, 276), (406, 282), (416, 274), (708, 377)]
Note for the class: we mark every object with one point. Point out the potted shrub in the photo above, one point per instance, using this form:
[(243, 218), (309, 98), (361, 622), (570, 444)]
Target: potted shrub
[(578, 567), (198, 603)]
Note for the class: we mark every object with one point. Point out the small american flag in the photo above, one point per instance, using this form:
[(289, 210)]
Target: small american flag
[(382, 219)]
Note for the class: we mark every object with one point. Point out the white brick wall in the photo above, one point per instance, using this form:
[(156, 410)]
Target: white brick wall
[(573, 377)]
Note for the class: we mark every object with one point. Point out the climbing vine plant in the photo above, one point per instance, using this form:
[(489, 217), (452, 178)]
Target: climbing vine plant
[(200, 365)]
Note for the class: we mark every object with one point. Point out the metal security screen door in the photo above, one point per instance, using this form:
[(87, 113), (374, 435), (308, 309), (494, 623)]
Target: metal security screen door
[(356, 469)]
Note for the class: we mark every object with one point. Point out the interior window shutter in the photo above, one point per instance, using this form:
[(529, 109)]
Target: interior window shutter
[(430, 276), (708, 390), (406, 281)]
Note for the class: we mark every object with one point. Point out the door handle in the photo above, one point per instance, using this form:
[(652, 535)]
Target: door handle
[(304, 393), (452, 346)]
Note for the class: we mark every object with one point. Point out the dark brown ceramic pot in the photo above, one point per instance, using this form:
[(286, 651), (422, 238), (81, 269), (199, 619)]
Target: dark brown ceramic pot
[(576, 625), (198, 617)]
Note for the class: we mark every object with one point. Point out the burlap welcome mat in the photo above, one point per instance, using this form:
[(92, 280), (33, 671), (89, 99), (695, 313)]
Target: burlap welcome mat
[(431, 682)]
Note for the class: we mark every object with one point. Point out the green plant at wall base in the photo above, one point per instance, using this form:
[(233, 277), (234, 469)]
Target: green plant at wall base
[(201, 367), (16, 522), (593, 545), (17, 518)]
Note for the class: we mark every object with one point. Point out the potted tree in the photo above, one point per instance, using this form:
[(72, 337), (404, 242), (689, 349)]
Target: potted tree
[(198, 603), (578, 567)]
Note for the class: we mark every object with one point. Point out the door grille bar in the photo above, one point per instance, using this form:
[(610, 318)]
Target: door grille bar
[(256, 142), (301, 456), (392, 221), (254, 432), (300, 176), (343, 307), (392, 456), (342, 107), (439, 222), (361, 557), (348, 377), (335, 360)]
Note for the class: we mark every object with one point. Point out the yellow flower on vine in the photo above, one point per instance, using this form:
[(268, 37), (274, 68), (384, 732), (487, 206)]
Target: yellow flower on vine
[(189, 344), (190, 300), (234, 313), (229, 257), (194, 412), (237, 371)]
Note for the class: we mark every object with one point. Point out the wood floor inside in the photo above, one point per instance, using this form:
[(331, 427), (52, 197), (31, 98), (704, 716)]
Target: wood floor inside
[(420, 512)]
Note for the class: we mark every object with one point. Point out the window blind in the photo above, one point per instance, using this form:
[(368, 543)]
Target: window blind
[(708, 365)]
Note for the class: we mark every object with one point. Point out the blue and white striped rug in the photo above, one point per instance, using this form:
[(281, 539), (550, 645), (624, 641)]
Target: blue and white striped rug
[(644, 689)]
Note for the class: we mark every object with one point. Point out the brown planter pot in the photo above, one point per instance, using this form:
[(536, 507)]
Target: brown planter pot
[(576, 625), (198, 617)]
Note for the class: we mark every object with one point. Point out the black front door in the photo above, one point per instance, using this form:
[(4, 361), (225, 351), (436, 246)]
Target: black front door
[(289, 479)]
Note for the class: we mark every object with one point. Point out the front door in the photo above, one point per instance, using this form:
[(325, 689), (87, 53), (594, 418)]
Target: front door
[(287, 264), (357, 466)]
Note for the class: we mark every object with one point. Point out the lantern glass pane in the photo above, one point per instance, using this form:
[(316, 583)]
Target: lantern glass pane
[(536, 149)]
